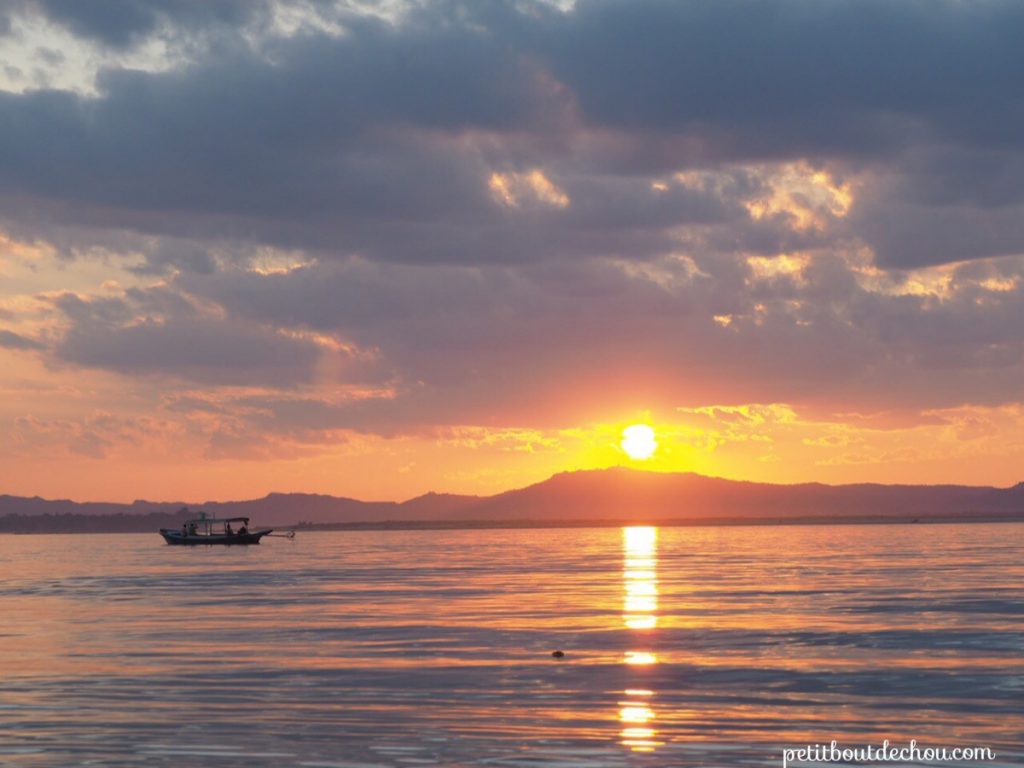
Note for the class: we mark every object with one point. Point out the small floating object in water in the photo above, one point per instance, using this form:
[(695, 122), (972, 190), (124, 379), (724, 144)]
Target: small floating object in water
[(557, 654)]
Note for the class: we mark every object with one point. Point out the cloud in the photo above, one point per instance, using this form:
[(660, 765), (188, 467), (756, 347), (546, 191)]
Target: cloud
[(11, 340), (128, 22), (750, 80), (905, 233), (555, 344), (159, 332), (169, 255), (388, 136)]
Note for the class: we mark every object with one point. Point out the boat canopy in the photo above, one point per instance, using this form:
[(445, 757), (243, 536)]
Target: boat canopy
[(216, 520)]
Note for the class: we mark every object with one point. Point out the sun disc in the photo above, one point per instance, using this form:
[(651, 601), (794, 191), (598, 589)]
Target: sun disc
[(638, 442)]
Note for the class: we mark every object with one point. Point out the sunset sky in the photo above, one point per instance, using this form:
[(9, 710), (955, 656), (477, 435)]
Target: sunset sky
[(379, 248)]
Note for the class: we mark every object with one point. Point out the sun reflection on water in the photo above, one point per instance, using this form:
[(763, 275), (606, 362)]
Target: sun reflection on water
[(639, 613)]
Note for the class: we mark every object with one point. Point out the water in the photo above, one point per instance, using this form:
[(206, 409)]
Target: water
[(683, 646)]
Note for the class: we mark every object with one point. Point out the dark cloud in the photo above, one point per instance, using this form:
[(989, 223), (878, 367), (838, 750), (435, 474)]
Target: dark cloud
[(169, 255), (49, 56), (11, 340), (161, 333), (311, 150), (122, 23), (798, 77), (905, 235), (381, 141)]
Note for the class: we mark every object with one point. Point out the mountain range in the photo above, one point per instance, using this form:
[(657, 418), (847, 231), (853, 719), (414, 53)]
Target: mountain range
[(612, 496)]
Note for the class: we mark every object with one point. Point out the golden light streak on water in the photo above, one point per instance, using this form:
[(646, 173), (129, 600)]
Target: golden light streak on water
[(638, 692), (639, 658), (641, 622), (633, 713), (640, 614)]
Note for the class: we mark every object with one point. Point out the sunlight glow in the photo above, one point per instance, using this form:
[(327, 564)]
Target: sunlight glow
[(635, 714), (638, 442), (808, 197), (640, 613), (512, 190), (633, 621)]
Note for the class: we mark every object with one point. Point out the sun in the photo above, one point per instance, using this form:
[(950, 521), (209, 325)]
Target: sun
[(638, 442)]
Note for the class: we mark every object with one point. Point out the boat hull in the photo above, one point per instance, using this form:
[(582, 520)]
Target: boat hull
[(177, 538)]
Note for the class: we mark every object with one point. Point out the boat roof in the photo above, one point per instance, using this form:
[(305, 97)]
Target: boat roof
[(220, 520)]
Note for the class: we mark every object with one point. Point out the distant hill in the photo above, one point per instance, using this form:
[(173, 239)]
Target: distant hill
[(627, 495), (615, 495)]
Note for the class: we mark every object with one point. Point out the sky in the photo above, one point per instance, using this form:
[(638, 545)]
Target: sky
[(375, 249)]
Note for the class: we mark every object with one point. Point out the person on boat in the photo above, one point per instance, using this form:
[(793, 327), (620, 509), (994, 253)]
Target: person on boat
[(184, 529), (227, 530), (243, 530), (192, 530)]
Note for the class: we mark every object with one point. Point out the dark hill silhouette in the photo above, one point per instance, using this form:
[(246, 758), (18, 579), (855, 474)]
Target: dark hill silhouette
[(628, 495), (437, 506), (286, 508), (615, 495)]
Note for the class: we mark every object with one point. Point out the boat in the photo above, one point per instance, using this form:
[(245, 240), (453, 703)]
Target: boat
[(214, 530)]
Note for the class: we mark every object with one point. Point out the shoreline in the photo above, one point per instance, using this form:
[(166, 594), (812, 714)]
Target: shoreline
[(710, 522)]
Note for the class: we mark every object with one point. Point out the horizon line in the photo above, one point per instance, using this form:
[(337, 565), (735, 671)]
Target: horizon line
[(612, 468)]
